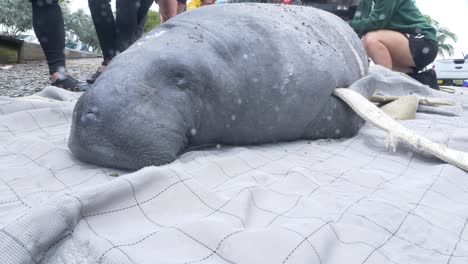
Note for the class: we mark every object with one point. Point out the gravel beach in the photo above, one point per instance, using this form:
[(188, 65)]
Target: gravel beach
[(31, 77)]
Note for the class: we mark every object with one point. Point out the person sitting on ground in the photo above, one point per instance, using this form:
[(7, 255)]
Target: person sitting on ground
[(397, 36), (116, 35), (193, 4), (49, 29)]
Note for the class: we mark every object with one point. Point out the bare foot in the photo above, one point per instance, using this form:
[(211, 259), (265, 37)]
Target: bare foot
[(56, 75)]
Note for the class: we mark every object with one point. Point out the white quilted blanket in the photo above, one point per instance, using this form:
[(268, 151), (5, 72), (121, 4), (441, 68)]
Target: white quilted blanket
[(325, 201)]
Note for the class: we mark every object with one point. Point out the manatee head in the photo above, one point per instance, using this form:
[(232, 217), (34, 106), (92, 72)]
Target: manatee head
[(137, 114), (143, 108)]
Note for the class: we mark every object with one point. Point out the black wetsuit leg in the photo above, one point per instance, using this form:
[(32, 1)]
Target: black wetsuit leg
[(49, 29), (104, 24)]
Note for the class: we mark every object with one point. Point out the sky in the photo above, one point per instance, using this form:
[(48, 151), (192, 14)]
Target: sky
[(449, 13)]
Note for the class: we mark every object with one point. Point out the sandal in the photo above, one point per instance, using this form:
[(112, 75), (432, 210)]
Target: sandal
[(94, 77), (70, 84), (428, 77)]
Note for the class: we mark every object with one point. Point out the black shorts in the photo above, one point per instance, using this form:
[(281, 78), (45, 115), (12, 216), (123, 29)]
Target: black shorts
[(423, 50)]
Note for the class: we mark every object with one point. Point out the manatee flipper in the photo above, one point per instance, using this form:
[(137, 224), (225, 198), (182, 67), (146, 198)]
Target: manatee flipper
[(336, 119), (376, 117), (345, 122)]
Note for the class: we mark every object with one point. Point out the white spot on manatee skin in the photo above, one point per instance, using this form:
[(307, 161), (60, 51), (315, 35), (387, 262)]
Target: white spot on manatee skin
[(329, 118), (233, 117), (337, 131), (193, 131), (218, 146), (382, 17), (239, 101), (358, 14), (245, 56), (154, 35)]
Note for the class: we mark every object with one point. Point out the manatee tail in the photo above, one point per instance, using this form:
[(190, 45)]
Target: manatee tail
[(369, 112)]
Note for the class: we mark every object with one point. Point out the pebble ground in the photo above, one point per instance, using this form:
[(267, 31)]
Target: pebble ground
[(31, 77)]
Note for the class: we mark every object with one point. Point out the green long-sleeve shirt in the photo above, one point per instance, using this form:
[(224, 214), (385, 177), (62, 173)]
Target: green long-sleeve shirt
[(397, 15)]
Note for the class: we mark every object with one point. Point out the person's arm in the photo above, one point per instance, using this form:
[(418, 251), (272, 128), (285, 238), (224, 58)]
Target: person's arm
[(192, 4), (379, 17)]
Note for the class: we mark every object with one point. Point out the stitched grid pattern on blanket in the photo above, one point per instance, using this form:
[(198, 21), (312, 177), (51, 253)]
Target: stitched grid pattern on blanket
[(324, 201)]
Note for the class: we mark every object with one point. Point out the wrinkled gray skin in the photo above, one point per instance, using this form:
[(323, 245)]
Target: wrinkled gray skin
[(224, 74)]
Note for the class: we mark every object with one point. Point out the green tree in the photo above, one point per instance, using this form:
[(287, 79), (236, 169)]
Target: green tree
[(443, 35), (15, 17), (152, 20), (82, 25)]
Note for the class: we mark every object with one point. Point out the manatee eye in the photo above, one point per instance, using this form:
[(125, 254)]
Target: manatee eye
[(88, 117), (180, 79)]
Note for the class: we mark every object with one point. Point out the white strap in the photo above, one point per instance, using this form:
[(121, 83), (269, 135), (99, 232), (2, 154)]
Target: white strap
[(431, 101), (369, 112)]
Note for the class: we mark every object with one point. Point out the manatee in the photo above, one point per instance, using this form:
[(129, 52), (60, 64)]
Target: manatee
[(235, 74)]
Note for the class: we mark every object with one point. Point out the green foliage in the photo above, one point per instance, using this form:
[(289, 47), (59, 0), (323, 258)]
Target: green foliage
[(15, 17), (443, 35), (82, 25), (152, 20)]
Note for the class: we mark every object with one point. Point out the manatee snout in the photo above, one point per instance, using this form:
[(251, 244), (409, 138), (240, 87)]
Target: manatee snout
[(121, 135), (86, 141)]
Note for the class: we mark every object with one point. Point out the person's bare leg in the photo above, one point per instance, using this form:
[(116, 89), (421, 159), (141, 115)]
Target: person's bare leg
[(56, 75), (389, 49), (376, 50), (180, 7), (102, 68), (167, 9)]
